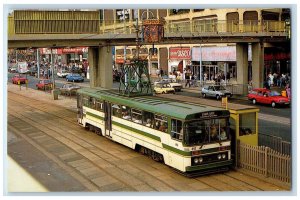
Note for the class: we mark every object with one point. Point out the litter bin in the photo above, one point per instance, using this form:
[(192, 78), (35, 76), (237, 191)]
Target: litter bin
[(55, 94), (283, 93)]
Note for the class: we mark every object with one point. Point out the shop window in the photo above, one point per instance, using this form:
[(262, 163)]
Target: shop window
[(176, 129), (247, 124)]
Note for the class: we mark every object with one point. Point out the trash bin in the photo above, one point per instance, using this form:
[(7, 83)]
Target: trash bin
[(55, 94), (283, 93)]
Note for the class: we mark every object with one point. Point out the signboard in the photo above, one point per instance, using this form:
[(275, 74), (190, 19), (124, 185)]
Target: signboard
[(221, 53), (180, 53), (22, 67)]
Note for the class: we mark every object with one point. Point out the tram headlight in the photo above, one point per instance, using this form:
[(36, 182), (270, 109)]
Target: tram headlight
[(219, 156), (196, 160), (200, 160), (223, 156)]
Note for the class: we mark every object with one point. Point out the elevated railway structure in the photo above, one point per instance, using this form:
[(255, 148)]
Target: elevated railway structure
[(55, 29)]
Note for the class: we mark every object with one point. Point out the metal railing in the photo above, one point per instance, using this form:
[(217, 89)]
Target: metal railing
[(78, 25), (275, 142)]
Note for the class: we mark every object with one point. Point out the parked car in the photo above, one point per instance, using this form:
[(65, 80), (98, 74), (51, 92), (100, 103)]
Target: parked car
[(177, 86), (265, 96), (17, 78), (63, 73), (217, 91), (44, 84), (13, 69), (69, 88), (74, 78), (163, 88)]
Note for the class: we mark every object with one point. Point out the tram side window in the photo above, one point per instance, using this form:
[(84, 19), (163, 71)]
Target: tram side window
[(126, 112), (176, 129), (86, 102), (99, 105), (92, 103), (136, 116), (116, 110), (161, 123), (148, 119), (79, 101), (247, 124)]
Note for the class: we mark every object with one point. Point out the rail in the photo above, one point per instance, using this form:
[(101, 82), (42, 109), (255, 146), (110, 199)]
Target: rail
[(275, 142), (92, 25)]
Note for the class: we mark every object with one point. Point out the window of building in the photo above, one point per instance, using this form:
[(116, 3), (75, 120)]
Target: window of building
[(178, 11), (176, 129), (198, 10), (122, 15)]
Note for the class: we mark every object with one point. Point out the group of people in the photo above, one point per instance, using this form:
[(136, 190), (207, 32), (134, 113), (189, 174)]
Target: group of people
[(275, 79), (158, 125)]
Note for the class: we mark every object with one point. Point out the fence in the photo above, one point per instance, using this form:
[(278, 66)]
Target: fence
[(263, 160), (275, 142)]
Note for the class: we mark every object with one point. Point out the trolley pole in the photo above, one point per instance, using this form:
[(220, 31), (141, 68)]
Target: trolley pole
[(200, 64)]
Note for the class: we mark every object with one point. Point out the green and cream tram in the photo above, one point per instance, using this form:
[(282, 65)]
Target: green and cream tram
[(190, 138)]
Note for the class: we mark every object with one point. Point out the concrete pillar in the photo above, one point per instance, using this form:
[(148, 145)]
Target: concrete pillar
[(257, 64), (105, 58), (242, 63), (100, 62)]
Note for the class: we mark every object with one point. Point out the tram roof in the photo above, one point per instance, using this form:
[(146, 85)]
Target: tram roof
[(153, 104)]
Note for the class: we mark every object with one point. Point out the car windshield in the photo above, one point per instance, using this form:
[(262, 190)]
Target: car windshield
[(219, 88), (274, 93), (46, 81), (76, 75), (205, 131)]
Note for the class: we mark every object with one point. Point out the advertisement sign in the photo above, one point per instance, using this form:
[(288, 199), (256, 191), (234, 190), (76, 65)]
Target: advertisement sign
[(223, 53), (22, 67), (180, 53)]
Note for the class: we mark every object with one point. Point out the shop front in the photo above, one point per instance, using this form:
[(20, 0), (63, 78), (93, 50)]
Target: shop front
[(179, 59)]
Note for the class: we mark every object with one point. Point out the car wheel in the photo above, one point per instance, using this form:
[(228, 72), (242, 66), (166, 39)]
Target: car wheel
[(163, 92), (204, 95), (67, 80), (218, 97), (273, 104), (254, 101)]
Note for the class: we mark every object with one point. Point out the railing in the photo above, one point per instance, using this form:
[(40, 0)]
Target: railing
[(90, 24), (275, 143), (265, 161)]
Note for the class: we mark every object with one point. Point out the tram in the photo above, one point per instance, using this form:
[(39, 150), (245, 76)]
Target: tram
[(193, 139)]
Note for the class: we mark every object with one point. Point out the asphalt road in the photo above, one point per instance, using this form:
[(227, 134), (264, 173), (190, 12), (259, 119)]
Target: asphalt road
[(268, 125)]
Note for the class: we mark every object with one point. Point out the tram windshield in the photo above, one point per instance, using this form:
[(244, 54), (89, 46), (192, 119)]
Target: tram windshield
[(205, 131)]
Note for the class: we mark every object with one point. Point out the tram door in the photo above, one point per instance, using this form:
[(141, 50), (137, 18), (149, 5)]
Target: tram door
[(107, 118)]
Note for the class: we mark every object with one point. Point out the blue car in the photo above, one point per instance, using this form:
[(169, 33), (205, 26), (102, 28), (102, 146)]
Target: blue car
[(74, 78)]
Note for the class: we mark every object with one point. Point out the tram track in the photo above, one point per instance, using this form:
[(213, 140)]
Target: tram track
[(93, 150), (157, 177)]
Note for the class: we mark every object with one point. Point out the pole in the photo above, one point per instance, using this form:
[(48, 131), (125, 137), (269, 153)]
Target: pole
[(52, 69), (38, 63), (200, 64)]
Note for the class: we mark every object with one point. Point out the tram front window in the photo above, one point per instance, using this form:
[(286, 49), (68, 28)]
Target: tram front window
[(205, 131)]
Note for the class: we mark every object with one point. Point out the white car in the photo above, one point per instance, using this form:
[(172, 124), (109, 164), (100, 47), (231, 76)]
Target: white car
[(63, 73), (177, 86), (217, 91)]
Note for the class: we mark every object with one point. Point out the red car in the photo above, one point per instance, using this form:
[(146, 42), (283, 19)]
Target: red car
[(43, 84), (265, 96), (17, 78)]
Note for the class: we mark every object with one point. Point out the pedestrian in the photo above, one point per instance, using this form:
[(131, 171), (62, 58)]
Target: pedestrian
[(266, 85), (288, 90)]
